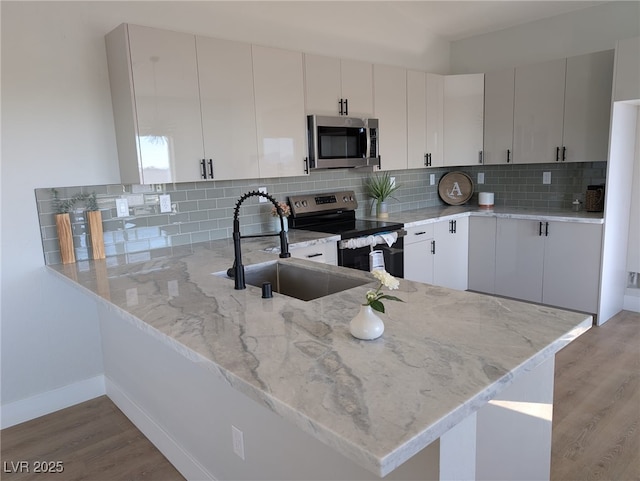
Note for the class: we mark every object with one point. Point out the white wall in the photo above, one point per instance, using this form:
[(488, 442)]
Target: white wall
[(575, 33), (57, 130)]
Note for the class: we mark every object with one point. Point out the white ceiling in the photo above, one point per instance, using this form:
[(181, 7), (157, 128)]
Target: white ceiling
[(455, 20)]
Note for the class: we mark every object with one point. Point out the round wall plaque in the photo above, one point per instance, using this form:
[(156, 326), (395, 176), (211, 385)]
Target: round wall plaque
[(455, 188)]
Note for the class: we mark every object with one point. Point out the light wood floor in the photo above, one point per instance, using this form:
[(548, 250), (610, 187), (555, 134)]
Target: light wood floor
[(596, 417), (596, 424)]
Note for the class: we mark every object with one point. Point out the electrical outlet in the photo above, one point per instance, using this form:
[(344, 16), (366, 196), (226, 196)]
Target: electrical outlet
[(432, 179), (264, 191), (165, 203), (546, 177), (393, 181), (238, 441), (122, 207), (480, 177)]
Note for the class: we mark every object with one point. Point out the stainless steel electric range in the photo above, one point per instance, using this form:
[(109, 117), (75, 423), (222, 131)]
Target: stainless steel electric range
[(335, 213)]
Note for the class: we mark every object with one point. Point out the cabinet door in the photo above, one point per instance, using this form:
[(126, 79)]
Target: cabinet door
[(538, 112), (482, 254), (463, 119), (587, 107), (572, 266), (357, 87), (228, 110), (322, 84), (390, 97), (519, 259), (627, 85), (418, 254), (498, 116), (416, 119), (279, 98), (451, 259), (435, 119), (167, 104)]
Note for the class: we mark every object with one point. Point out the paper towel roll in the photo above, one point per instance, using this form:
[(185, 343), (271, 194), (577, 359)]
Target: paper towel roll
[(485, 199)]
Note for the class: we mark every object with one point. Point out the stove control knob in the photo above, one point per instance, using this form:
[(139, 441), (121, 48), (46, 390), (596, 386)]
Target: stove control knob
[(345, 199), (296, 203), (351, 198), (304, 203)]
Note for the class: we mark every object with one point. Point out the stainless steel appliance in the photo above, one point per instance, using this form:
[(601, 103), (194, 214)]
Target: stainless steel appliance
[(342, 142), (334, 213)]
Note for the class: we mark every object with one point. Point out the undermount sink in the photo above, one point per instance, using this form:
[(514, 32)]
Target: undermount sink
[(301, 282)]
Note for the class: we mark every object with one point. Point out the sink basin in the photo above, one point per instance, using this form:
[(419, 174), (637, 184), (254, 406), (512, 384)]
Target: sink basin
[(301, 282)]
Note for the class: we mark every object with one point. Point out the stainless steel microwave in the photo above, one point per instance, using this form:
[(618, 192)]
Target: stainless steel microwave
[(342, 142)]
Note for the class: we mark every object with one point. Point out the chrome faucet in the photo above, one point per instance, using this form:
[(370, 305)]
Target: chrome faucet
[(237, 271)]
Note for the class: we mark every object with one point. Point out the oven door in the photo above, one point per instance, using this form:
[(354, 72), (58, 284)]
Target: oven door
[(359, 258)]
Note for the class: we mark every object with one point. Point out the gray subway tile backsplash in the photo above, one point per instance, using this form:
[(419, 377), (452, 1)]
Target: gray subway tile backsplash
[(203, 210)]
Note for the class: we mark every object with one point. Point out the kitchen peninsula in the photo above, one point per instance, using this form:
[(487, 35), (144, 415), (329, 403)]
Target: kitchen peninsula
[(441, 395)]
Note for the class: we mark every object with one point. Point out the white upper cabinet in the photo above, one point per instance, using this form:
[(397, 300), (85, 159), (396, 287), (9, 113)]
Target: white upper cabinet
[(357, 87), (338, 87), (228, 109), (416, 119), (154, 87), (587, 107), (463, 119), (435, 120), (562, 109), (280, 115), (498, 116), (390, 100), (627, 84), (425, 104), (538, 112)]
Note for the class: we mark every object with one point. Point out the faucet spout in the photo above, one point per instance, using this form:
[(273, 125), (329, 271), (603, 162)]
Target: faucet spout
[(237, 271)]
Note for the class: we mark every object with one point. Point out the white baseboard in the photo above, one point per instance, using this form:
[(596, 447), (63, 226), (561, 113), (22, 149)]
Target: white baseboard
[(181, 459), (631, 303), (47, 402)]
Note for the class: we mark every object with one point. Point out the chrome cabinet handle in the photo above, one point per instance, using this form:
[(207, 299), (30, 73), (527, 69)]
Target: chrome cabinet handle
[(211, 168)]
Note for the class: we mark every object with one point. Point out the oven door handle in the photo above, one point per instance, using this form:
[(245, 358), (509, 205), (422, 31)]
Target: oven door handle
[(341, 244)]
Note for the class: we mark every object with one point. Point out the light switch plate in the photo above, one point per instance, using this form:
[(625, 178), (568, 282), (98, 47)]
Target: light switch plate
[(546, 177), (264, 191), (432, 179), (122, 207), (165, 203), (393, 181), (480, 177)]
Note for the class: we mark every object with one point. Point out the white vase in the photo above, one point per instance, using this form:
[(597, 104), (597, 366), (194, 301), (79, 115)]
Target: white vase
[(276, 224), (382, 211), (366, 325)]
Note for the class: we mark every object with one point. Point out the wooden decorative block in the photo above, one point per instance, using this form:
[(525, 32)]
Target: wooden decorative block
[(65, 238), (94, 220)]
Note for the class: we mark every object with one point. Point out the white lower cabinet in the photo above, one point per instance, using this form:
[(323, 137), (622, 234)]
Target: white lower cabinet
[(555, 262), (572, 266), (451, 258), (418, 254), (437, 253), (482, 254), (326, 253)]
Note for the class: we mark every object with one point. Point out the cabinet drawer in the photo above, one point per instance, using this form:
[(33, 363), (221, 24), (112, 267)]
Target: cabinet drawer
[(418, 233), (325, 253)]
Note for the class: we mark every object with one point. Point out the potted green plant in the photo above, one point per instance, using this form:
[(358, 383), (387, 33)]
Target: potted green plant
[(380, 187)]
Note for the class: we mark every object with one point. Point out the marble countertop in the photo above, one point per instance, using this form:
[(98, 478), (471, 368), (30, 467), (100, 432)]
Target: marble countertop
[(412, 218), (443, 355)]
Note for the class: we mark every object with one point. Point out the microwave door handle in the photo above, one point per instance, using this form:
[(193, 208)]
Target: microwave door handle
[(368, 153)]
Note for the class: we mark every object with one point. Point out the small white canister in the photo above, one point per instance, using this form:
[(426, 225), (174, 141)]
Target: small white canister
[(485, 200)]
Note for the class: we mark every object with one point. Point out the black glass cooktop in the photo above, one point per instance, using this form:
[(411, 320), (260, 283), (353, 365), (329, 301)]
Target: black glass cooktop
[(354, 227)]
